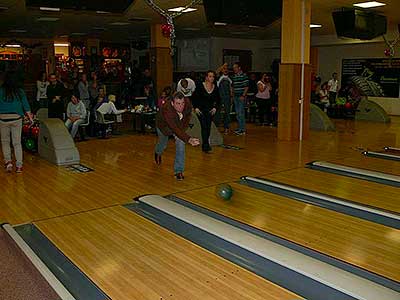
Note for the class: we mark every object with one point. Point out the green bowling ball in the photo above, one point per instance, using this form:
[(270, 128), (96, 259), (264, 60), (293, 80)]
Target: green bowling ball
[(224, 191)]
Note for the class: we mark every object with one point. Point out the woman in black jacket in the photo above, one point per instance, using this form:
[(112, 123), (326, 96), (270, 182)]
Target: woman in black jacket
[(206, 101)]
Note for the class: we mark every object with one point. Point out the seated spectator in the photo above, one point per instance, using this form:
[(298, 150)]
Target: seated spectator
[(108, 108), (101, 98), (76, 114), (323, 102)]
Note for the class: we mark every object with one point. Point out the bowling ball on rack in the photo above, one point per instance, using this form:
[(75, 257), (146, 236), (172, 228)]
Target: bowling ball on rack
[(224, 191)]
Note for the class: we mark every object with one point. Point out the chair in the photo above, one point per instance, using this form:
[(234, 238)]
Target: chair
[(103, 123), (82, 127)]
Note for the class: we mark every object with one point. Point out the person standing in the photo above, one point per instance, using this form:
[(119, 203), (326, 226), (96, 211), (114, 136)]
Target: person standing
[(173, 119), (224, 84), (333, 85), (263, 98), (41, 95), (13, 106), (186, 86), (55, 93), (206, 101), (240, 86), (76, 114), (83, 87)]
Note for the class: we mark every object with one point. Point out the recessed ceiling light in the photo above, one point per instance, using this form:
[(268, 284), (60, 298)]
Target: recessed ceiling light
[(315, 25), (254, 26), (99, 28), (64, 36), (78, 33), (13, 46), (49, 8), (61, 45), (220, 24), (182, 9), (17, 30), (239, 32), (120, 23), (47, 19), (369, 4), (3, 8), (102, 12)]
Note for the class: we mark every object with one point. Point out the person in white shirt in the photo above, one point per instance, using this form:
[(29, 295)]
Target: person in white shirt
[(186, 86), (76, 114), (109, 108), (41, 95), (333, 85)]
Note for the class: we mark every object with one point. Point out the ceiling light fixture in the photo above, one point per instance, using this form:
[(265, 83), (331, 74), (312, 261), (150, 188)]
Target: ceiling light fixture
[(49, 8), (315, 25), (120, 23), (182, 9), (13, 46), (47, 19), (61, 45), (369, 4), (78, 33), (220, 24), (3, 8), (102, 12), (17, 30), (191, 29)]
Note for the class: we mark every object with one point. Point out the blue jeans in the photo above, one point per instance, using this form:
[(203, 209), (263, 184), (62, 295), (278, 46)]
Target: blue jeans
[(240, 114), (179, 164)]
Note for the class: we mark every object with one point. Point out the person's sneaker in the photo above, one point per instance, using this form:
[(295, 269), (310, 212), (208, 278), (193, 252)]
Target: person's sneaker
[(157, 158), (240, 132), (237, 130), (179, 176), (8, 166), (18, 169), (226, 131)]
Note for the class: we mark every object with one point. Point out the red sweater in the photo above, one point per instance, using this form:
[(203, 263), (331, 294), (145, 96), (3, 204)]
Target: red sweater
[(169, 123)]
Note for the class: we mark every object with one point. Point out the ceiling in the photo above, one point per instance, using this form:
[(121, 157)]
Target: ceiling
[(138, 16)]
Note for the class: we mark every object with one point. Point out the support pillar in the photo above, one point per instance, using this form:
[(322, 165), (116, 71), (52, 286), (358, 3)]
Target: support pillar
[(160, 59), (295, 50)]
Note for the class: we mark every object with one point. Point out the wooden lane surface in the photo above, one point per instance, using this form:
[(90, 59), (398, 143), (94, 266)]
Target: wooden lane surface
[(124, 169), (356, 190), (370, 163), (131, 258), (367, 245)]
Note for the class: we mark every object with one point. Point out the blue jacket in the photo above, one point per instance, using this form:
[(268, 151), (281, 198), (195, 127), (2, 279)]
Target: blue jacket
[(16, 106)]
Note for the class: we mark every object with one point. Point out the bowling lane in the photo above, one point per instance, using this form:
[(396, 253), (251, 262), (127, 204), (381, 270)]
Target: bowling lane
[(129, 257), (364, 244), (356, 190), (370, 163)]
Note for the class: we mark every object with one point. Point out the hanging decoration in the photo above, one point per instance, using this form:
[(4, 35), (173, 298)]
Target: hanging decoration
[(168, 29), (390, 51)]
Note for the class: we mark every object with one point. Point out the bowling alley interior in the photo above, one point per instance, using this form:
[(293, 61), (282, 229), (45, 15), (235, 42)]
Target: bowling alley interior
[(200, 150)]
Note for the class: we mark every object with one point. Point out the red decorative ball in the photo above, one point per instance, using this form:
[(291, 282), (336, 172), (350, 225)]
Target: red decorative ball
[(388, 52), (348, 105), (35, 131), (166, 30)]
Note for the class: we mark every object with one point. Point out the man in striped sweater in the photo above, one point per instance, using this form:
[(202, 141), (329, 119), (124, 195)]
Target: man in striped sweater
[(240, 86)]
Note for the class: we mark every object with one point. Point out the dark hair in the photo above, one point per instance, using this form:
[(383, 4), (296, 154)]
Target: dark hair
[(178, 95), (12, 87), (210, 71)]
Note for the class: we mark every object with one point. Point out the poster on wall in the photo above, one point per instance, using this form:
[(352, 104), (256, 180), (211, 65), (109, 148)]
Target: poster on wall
[(378, 77)]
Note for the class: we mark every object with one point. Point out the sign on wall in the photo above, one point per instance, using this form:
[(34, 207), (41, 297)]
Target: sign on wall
[(379, 77)]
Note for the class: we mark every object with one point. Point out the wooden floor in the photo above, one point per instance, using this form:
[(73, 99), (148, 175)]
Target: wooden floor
[(155, 263), (362, 243), (373, 194), (81, 212)]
